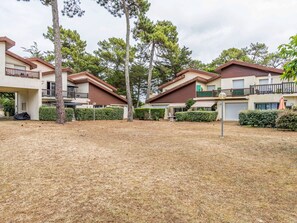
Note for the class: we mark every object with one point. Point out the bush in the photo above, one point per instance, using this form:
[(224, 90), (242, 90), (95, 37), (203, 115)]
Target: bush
[(149, 113), (196, 116), (49, 114), (8, 106), (294, 108), (259, 118), (83, 114), (287, 120)]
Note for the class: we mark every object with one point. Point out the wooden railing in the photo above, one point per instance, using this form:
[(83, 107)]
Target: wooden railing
[(21, 73), (282, 88), (66, 94)]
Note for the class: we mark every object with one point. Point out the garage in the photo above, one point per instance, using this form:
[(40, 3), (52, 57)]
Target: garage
[(232, 110)]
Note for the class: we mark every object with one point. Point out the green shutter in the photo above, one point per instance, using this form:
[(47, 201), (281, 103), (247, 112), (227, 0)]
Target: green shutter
[(198, 88)]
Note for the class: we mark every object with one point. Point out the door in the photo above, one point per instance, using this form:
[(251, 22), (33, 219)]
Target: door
[(232, 110)]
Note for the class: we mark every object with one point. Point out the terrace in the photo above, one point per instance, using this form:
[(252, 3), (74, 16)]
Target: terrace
[(282, 88), (21, 73), (66, 94)]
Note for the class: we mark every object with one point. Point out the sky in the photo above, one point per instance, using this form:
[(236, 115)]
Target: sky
[(205, 26)]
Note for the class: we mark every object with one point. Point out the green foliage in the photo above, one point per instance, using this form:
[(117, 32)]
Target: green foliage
[(259, 118), (116, 7), (189, 103), (50, 114), (287, 120), (8, 105), (34, 51), (196, 116), (294, 108), (73, 48), (257, 53), (290, 51), (149, 113), (112, 113)]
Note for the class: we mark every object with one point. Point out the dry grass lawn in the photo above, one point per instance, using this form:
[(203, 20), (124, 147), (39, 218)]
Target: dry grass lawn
[(114, 171)]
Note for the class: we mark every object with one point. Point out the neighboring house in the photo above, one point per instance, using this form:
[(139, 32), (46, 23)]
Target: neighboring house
[(17, 76), (185, 86), (248, 86), (33, 82)]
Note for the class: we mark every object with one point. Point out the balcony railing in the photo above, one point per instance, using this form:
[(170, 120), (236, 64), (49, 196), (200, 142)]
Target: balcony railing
[(21, 73), (282, 88), (66, 94), (229, 93)]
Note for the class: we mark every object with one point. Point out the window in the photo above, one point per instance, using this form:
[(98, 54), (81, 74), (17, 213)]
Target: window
[(263, 81), (211, 87), (24, 106), (238, 84), (51, 88), (266, 106)]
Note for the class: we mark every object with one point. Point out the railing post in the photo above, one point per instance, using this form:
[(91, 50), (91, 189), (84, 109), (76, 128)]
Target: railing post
[(282, 87)]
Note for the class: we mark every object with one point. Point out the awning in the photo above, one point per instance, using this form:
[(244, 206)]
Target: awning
[(203, 104)]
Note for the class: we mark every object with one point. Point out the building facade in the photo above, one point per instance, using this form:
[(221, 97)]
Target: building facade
[(247, 86)]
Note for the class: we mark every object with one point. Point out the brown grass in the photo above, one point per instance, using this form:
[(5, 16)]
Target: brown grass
[(114, 171)]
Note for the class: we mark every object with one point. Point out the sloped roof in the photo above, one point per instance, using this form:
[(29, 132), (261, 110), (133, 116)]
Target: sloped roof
[(42, 62), (77, 76), (245, 64), (198, 72), (9, 42), (202, 80), (67, 70)]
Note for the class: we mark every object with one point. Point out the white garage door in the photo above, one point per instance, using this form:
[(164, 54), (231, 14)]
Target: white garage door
[(232, 110)]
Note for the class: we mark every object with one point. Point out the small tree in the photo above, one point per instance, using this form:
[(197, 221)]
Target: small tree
[(190, 102), (129, 9)]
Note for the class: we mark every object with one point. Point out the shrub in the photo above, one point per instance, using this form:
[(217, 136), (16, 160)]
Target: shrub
[(294, 108), (49, 114), (8, 106), (197, 116), (112, 113), (189, 103), (259, 118), (287, 120), (157, 113), (149, 113)]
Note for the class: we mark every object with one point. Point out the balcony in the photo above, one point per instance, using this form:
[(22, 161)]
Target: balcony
[(21, 73), (229, 93), (282, 88), (66, 94)]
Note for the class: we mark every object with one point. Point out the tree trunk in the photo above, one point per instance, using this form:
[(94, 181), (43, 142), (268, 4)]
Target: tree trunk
[(150, 72), (58, 64), (128, 90), (138, 92)]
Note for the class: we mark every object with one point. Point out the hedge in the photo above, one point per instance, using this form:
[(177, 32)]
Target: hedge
[(149, 113), (259, 118), (83, 114), (196, 116), (49, 114), (287, 120)]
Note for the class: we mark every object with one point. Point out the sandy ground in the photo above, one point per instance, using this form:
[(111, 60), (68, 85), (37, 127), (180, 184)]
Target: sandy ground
[(114, 171)]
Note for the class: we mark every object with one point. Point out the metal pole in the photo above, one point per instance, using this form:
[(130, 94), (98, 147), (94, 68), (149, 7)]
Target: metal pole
[(222, 120)]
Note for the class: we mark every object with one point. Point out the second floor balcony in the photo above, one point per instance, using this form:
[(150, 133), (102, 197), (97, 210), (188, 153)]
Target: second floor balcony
[(21, 73), (66, 94), (281, 88)]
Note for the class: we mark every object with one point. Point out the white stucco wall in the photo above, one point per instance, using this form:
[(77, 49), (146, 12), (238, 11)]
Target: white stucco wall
[(41, 67), (227, 83), (51, 78)]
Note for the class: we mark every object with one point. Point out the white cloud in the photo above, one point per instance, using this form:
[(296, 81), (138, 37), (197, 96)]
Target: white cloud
[(206, 27)]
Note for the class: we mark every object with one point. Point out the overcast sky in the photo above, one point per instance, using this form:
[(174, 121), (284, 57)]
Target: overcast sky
[(205, 26)]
